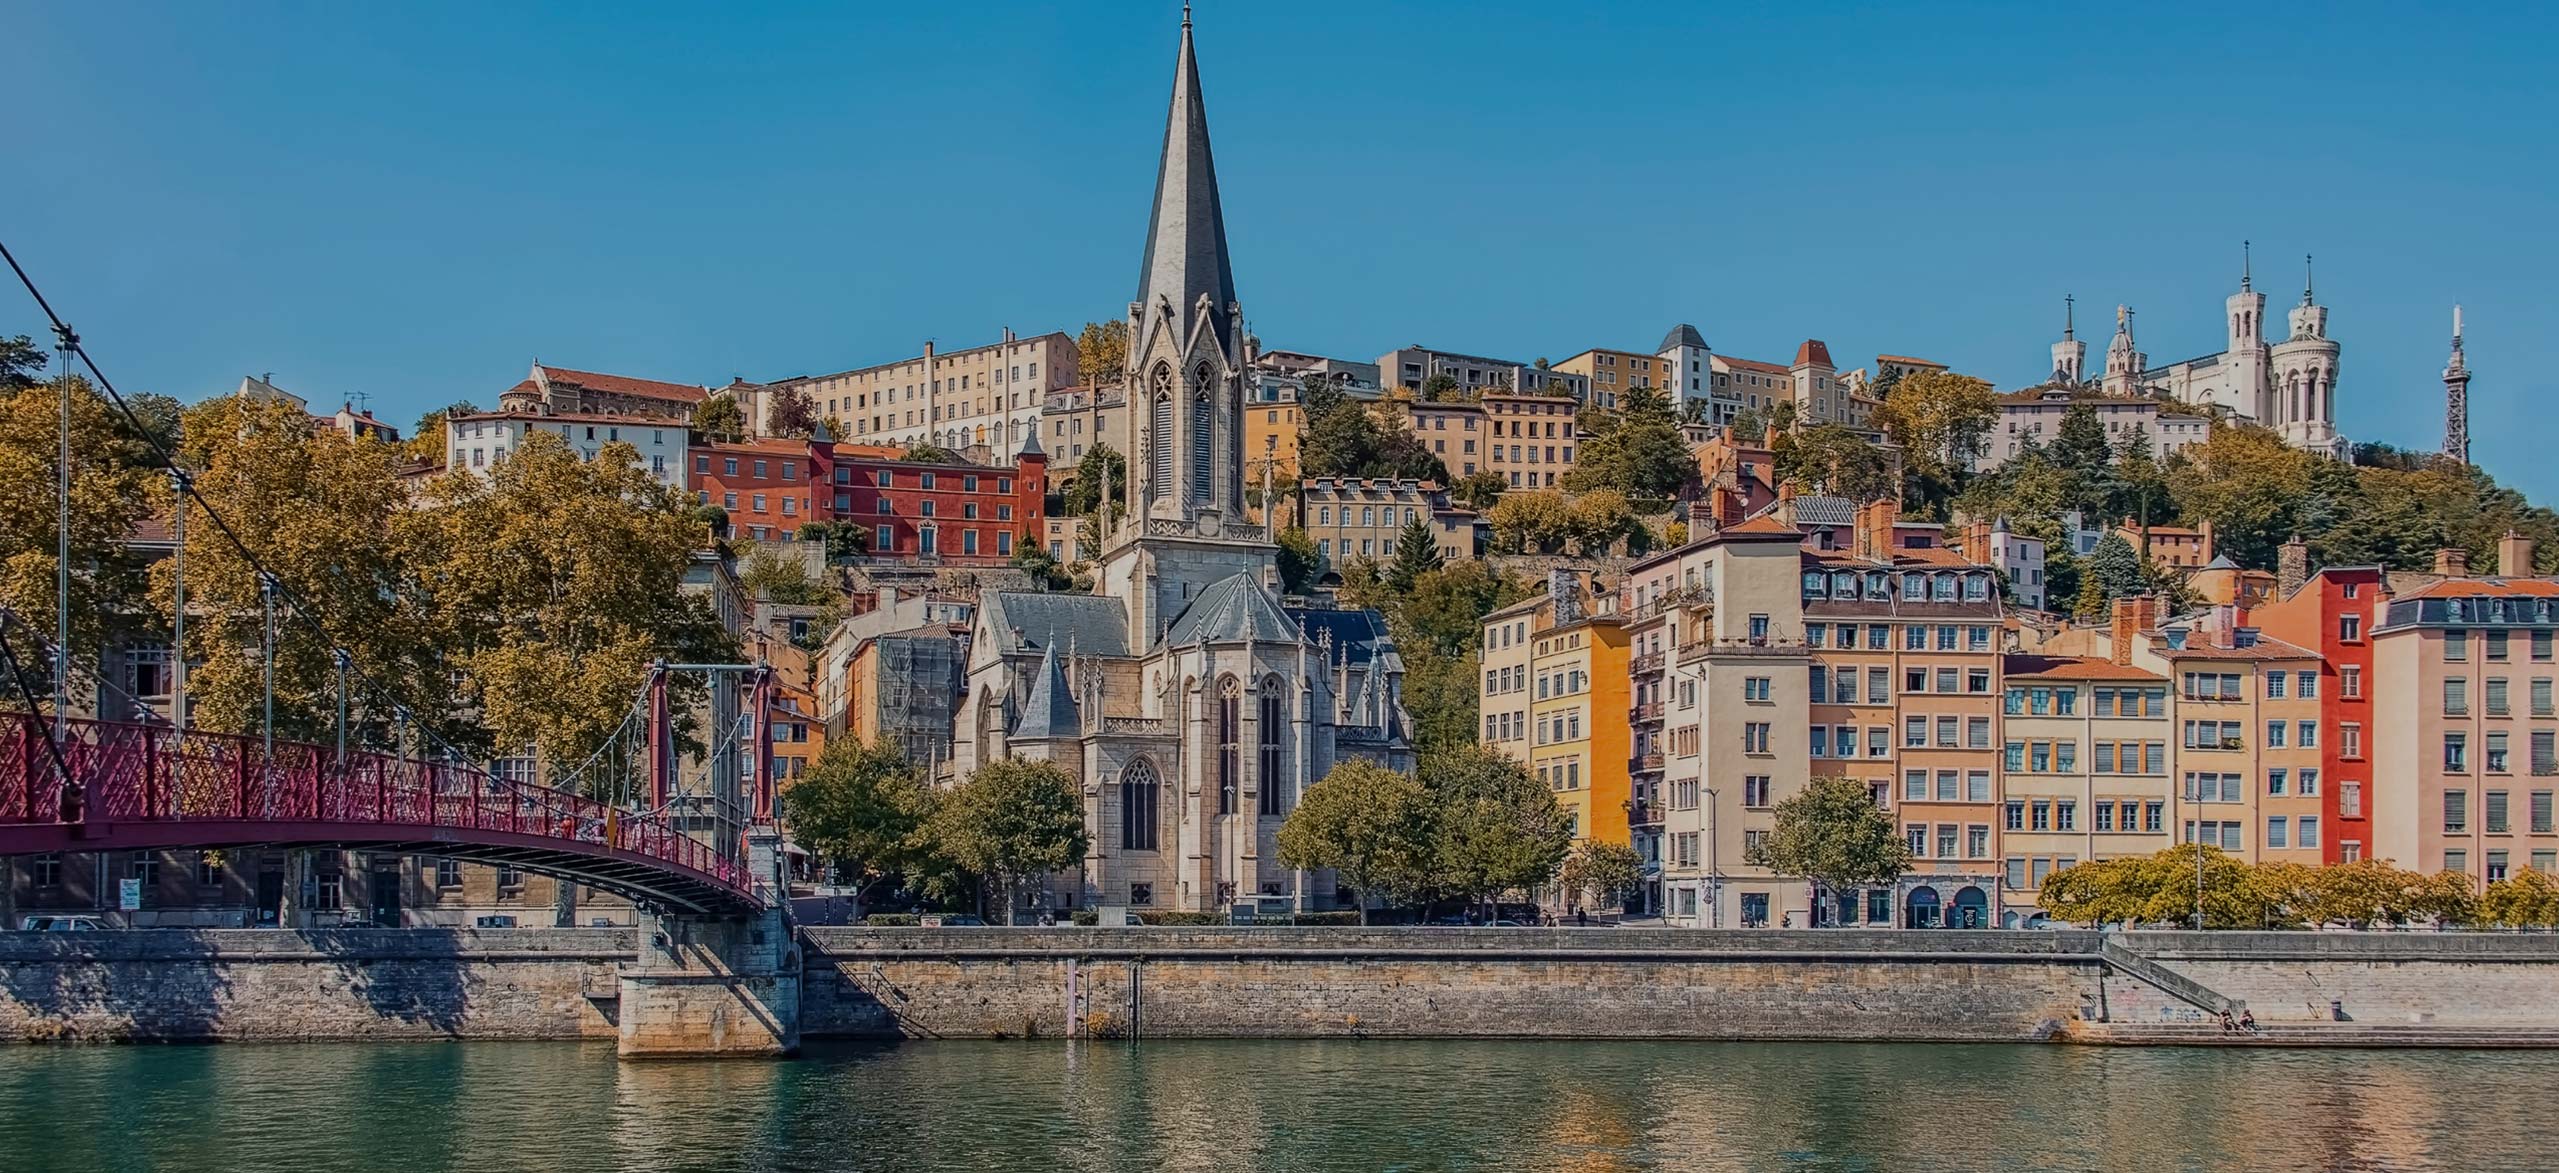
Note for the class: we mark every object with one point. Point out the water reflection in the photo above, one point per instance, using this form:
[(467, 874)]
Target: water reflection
[(1596, 1106)]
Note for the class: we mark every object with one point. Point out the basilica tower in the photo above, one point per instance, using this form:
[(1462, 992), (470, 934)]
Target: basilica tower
[(2302, 403)]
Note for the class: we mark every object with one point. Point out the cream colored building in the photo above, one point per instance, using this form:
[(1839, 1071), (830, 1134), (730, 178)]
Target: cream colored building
[(1456, 433), (988, 395), (1073, 419), (2086, 774), (1351, 517), (1530, 439)]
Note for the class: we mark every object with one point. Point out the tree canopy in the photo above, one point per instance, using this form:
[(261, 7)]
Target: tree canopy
[(1010, 821), (1370, 825), (1832, 833)]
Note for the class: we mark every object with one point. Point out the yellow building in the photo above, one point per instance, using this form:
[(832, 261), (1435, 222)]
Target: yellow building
[(1578, 689), (1611, 372)]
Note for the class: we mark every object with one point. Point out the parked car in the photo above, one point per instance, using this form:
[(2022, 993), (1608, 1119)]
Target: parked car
[(55, 923)]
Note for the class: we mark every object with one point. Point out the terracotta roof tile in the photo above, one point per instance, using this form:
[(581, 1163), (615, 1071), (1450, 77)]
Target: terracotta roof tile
[(1813, 353), (626, 385), (2493, 588), (1746, 364), (1904, 358), (1766, 524)]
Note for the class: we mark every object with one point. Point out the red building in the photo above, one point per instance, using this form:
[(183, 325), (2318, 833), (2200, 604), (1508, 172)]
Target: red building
[(2332, 611), (957, 512)]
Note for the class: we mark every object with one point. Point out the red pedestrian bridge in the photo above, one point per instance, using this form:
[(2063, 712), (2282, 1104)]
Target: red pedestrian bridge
[(138, 787)]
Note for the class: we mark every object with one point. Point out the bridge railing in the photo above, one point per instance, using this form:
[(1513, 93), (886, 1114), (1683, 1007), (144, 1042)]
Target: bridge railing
[(147, 773)]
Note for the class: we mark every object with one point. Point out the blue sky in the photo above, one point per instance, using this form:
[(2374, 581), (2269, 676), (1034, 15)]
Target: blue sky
[(415, 201)]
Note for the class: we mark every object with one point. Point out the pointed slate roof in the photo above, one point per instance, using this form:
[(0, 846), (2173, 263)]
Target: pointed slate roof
[(1050, 711), (1233, 609), (1186, 233), (1095, 624), (1680, 335)]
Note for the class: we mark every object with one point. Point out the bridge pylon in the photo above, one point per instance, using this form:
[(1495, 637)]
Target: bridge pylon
[(710, 987)]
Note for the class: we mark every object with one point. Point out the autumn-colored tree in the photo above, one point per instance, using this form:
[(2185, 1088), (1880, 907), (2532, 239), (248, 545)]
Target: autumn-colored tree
[(556, 581), (792, 413), (1832, 460), (719, 415), (1101, 353), (112, 488), (1532, 521), (2525, 899), (1478, 490), (1604, 873)]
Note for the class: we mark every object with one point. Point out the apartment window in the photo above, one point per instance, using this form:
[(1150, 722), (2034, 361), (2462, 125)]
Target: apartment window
[(2350, 681), (1754, 790), (2350, 799), (2496, 866), (2016, 757), (2456, 753), (1914, 786), (1917, 836), (2309, 685), (2017, 872), (1946, 840), (1914, 731), (2306, 831), (2043, 812), (2307, 784), (1945, 680), (2456, 860), (2278, 831), (2493, 808), (1946, 783), (2350, 628), (2015, 815), (2497, 753), (2496, 641), (1977, 786), (2350, 740), (1755, 688), (2456, 812), (1755, 737), (1946, 732), (2456, 645), (1976, 841), (2456, 696)]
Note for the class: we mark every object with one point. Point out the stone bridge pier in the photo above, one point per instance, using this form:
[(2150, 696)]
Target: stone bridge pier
[(705, 987)]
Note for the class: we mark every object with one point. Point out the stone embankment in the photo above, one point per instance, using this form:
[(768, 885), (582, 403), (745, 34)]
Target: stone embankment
[(2414, 989)]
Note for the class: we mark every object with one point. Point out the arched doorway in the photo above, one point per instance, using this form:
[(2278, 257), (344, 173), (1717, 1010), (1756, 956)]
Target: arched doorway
[(1972, 909), (1921, 909)]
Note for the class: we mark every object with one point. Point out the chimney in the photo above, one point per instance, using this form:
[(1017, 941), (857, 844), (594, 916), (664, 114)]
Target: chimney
[(1566, 596), (2452, 562), (1873, 535), (1976, 547), (2204, 527), (1786, 502), (2132, 616), (2292, 567), (1728, 507), (2514, 555)]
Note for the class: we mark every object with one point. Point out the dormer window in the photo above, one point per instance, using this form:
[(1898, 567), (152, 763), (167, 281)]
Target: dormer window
[(1814, 583), (1914, 587), (1843, 585), (1942, 588), (1976, 587), (1879, 585)]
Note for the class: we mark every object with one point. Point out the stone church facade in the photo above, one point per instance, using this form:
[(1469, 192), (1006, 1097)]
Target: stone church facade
[(1190, 702)]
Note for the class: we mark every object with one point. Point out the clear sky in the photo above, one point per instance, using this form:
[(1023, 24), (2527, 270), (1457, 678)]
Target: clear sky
[(416, 201)]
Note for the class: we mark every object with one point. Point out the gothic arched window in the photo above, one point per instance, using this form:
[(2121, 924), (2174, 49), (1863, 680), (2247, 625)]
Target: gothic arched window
[(1159, 436), (1201, 441), (1229, 716), (1141, 803), (1267, 762)]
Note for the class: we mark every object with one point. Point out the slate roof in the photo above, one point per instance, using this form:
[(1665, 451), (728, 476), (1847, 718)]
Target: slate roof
[(1094, 624), (1050, 710), (1231, 610), (1680, 335), (1361, 633), (1186, 233)]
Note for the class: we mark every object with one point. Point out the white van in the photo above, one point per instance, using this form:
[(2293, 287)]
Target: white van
[(60, 924)]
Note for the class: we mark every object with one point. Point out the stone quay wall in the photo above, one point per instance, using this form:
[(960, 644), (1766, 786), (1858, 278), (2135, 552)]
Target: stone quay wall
[(1454, 983), (183, 985), (388, 984)]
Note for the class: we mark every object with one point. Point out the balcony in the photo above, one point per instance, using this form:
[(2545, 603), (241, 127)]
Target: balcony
[(1649, 763), (1646, 664), (1640, 813), (1648, 713)]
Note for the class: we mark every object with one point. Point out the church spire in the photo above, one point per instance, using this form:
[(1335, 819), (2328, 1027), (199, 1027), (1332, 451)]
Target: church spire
[(1186, 233)]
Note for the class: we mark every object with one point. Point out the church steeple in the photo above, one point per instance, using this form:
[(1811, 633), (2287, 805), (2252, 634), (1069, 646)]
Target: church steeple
[(1186, 233)]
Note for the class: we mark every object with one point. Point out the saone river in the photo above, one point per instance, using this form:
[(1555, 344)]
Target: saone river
[(1276, 1106)]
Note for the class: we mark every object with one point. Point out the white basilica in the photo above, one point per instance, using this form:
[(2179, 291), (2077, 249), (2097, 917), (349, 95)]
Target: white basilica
[(2289, 386), (1189, 701)]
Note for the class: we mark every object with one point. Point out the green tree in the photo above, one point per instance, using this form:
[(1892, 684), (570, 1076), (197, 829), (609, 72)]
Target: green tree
[(2114, 570), (2246, 481), (2082, 451), (1605, 873), (1045, 574), (1832, 460), (1832, 833), (777, 577), (1344, 437), (1496, 828), (1441, 389), (1101, 353), (1445, 610), (1370, 826), (1441, 693), (1298, 560), (922, 452), (22, 363), (861, 807), (719, 415), (1478, 490), (1941, 420), (1634, 449), (1011, 821), (1100, 475), (1416, 554)]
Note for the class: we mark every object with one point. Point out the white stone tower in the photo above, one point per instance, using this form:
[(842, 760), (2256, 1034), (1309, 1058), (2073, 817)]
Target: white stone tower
[(2304, 395), (2246, 357), (2124, 364), (2070, 355)]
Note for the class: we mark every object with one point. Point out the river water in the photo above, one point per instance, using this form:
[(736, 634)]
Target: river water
[(1276, 1106)]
